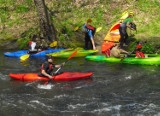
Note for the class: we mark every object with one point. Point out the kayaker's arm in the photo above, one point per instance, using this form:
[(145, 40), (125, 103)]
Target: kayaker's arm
[(46, 74), (94, 48), (59, 65), (123, 51)]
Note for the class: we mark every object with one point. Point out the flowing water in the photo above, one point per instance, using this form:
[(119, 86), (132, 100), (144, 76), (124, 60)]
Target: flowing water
[(114, 90)]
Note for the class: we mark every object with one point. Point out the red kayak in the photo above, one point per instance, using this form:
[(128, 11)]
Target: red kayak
[(65, 76)]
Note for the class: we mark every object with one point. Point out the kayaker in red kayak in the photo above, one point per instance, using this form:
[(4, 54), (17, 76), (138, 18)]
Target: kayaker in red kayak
[(48, 66)]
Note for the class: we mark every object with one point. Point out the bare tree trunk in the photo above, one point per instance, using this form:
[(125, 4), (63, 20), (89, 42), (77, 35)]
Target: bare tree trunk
[(46, 26)]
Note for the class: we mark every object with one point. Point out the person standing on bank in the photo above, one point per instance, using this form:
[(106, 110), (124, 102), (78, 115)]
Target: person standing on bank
[(89, 34), (123, 29), (47, 67)]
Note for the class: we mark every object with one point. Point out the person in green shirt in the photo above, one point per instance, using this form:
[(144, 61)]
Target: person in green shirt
[(123, 29)]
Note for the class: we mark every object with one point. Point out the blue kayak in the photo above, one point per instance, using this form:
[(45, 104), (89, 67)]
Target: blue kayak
[(39, 54)]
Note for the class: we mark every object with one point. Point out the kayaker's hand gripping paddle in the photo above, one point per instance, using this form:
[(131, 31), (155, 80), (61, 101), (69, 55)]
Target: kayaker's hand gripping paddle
[(72, 55)]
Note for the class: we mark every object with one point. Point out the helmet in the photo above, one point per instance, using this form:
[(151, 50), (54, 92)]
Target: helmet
[(89, 20), (131, 13), (50, 57)]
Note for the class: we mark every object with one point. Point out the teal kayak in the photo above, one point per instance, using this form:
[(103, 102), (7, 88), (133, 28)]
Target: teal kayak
[(128, 60)]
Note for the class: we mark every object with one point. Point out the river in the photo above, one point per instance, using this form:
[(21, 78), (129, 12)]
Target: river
[(113, 90)]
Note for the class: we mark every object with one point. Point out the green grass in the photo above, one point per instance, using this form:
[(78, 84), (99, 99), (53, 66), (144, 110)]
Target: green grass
[(68, 14)]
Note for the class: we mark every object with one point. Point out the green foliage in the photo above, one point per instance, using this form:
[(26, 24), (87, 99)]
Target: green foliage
[(69, 14), (25, 38), (23, 42), (22, 9), (148, 48)]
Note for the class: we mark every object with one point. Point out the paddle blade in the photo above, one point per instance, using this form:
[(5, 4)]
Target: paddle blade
[(72, 55), (98, 29), (24, 57), (53, 44), (76, 28)]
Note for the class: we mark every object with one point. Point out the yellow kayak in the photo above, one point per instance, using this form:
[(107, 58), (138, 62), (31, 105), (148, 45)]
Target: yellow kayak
[(66, 53)]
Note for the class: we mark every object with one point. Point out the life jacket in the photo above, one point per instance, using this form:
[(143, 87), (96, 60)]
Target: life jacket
[(90, 27), (49, 68), (139, 54), (86, 28), (138, 47)]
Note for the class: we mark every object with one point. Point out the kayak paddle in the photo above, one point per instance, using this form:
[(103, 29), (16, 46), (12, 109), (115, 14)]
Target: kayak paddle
[(24, 57), (98, 29), (56, 72), (127, 55), (53, 44), (73, 54)]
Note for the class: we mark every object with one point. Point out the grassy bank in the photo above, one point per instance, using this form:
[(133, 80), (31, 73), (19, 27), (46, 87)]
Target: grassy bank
[(19, 19)]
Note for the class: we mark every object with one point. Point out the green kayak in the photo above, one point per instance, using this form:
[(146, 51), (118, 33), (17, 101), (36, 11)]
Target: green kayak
[(128, 60), (67, 53)]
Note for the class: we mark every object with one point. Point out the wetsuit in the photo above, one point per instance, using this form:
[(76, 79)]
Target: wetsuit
[(89, 34), (123, 31)]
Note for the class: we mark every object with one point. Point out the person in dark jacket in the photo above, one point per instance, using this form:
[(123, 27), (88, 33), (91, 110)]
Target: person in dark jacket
[(48, 66), (123, 29)]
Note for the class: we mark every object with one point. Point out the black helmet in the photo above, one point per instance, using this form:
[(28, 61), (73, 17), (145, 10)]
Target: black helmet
[(50, 57)]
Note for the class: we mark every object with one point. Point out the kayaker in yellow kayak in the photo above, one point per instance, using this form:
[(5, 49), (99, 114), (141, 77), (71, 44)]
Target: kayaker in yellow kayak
[(89, 31)]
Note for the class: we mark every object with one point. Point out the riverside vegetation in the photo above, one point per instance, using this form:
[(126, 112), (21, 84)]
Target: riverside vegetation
[(19, 21)]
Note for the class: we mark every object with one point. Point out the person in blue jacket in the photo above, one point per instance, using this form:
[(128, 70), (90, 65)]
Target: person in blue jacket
[(89, 34)]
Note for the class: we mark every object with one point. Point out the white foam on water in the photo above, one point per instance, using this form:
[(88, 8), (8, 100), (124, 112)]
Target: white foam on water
[(151, 108), (45, 86), (33, 102), (107, 109), (30, 83), (128, 77), (82, 86), (76, 106), (117, 107), (3, 77), (61, 96), (101, 110)]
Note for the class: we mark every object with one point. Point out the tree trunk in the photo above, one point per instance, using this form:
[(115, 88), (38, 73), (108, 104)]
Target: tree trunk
[(46, 26)]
